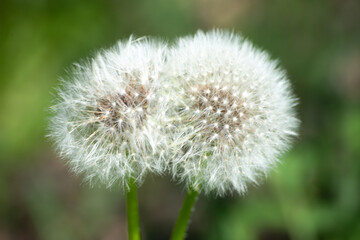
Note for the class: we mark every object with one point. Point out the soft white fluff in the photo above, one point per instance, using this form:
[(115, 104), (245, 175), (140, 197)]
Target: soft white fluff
[(232, 112), (108, 116)]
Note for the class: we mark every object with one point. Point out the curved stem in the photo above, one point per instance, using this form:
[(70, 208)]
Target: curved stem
[(132, 212), (181, 225)]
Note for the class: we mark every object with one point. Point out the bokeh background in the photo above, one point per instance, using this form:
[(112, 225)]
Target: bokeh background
[(313, 194)]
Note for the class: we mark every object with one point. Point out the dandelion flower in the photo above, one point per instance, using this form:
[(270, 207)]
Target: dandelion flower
[(232, 115), (106, 121)]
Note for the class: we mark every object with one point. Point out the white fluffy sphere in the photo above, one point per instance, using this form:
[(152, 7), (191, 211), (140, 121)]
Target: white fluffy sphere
[(108, 116), (232, 112)]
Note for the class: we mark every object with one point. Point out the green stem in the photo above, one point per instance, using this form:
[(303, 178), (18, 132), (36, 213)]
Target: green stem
[(181, 225), (132, 212)]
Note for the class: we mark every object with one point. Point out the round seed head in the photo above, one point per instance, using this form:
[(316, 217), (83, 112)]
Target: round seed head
[(235, 112), (106, 121)]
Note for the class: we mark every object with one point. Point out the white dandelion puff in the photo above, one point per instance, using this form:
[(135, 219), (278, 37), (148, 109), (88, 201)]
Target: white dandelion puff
[(234, 112), (106, 121)]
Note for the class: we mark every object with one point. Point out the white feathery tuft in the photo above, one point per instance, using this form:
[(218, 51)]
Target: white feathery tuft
[(232, 112), (107, 120)]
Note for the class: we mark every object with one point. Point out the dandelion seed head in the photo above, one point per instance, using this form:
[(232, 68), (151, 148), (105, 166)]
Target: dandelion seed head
[(228, 92), (107, 122)]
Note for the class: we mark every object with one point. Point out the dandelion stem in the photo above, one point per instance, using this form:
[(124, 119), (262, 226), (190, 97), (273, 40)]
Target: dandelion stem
[(181, 225), (132, 212)]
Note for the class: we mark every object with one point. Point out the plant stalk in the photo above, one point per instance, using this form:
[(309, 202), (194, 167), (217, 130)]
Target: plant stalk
[(179, 231), (132, 212)]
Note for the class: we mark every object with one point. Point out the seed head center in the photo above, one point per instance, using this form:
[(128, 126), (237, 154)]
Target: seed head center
[(124, 111), (220, 111)]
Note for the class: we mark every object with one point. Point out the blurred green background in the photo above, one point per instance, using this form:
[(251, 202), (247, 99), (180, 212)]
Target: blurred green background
[(313, 194)]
